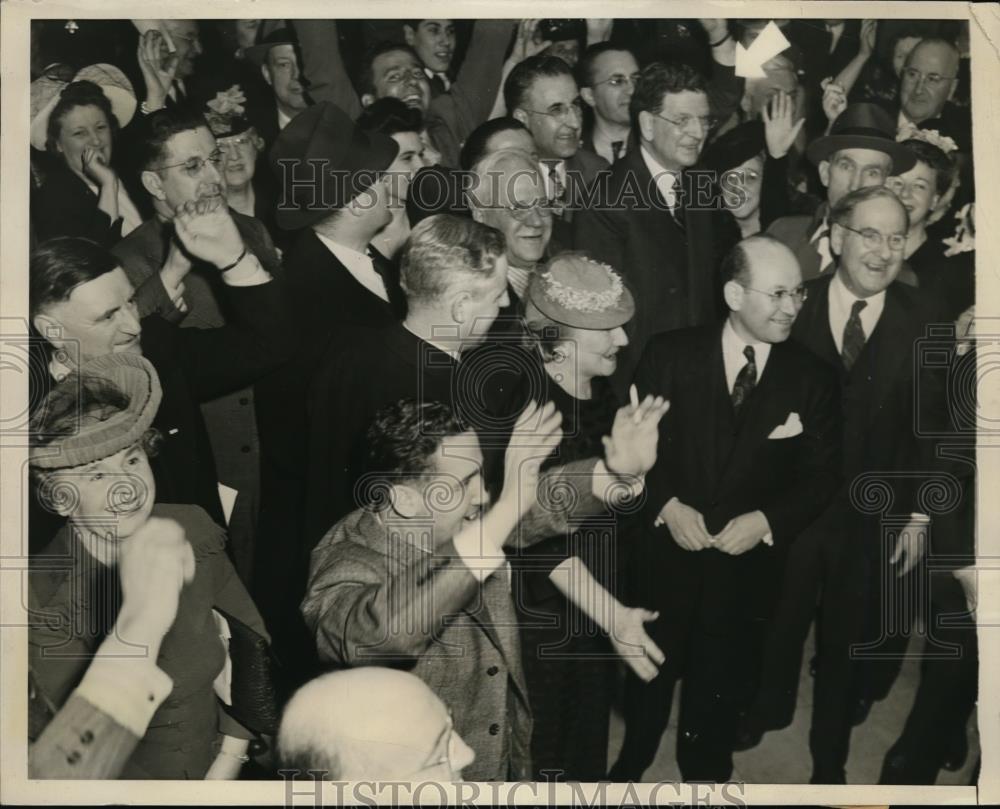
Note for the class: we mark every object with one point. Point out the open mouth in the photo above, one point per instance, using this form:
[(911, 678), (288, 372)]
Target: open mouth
[(444, 56), (414, 99)]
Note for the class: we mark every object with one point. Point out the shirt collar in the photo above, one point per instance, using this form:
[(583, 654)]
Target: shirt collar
[(844, 298), (733, 345)]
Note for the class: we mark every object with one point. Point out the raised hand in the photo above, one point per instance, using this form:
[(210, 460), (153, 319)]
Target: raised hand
[(158, 66), (207, 231), (630, 641), (780, 130), (631, 447), (96, 167), (834, 99), (528, 41), (869, 29), (536, 433), (716, 29), (599, 30), (687, 525), (153, 565)]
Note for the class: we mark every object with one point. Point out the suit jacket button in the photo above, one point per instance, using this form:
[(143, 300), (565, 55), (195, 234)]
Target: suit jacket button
[(494, 729), (245, 449), (244, 400), (74, 756), (86, 737), (492, 671)]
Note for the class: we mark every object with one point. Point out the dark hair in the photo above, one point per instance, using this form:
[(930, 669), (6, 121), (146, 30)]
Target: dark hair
[(77, 94), (841, 213), (524, 74), (442, 247), (475, 145), (155, 129), (366, 72), (60, 265), (585, 67), (736, 264), (390, 116), (658, 79), (937, 159), (403, 437)]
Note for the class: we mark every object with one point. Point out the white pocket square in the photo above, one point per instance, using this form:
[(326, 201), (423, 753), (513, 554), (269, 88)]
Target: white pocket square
[(791, 428)]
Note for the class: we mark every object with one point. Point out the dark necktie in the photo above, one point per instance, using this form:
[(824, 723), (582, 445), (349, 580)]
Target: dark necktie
[(677, 212), (745, 380), (854, 336), (558, 188), (617, 150)]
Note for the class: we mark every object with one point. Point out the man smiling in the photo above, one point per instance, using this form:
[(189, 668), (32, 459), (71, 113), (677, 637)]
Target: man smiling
[(434, 42)]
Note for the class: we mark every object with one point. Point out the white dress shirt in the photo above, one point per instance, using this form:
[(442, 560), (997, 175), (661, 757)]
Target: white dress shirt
[(359, 265), (519, 279), (283, 120), (841, 301), (823, 244), (665, 178)]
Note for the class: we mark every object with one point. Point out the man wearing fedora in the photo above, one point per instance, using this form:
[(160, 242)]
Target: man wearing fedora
[(278, 58), (749, 458), (864, 323), (333, 192), (860, 151)]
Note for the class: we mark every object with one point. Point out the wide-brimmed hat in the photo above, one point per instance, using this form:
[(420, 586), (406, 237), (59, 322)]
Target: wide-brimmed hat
[(258, 53), (323, 160), (735, 147), (46, 92), (98, 434), (573, 289), (863, 126), (226, 112)]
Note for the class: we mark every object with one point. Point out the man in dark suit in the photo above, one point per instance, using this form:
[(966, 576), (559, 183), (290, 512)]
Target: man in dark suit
[(329, 175), (417, 576), (541, 93), (928, 82), (608, 73), (83, 306), (750, 457), (868, 326), (859, 152), (643, 221)]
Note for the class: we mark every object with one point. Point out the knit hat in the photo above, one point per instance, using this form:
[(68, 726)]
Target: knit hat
[(99, 432), (575, 290)]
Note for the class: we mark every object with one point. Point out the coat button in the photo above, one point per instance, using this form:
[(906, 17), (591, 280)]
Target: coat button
[(86, 737), (245, 449), (74, 756), (494, 729), (492, 671), (244, 400)]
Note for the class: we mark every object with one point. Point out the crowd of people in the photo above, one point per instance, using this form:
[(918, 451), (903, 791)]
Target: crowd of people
[(408, 393)]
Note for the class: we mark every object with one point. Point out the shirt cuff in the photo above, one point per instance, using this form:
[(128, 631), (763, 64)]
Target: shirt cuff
[(247, 273), (613, 489), (129, 690), (469, 547), (768, 538)]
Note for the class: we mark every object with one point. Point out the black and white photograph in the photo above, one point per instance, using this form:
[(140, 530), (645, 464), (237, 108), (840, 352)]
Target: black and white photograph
[(593, 406)]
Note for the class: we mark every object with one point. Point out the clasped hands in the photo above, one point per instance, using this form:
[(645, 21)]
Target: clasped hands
[(687, 526)]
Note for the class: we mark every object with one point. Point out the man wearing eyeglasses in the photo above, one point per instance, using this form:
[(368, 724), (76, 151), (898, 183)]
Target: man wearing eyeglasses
[(541, 93), (608, 74), (928, 82), (866, 324), (371, 723), (753, 431), (645, 222)]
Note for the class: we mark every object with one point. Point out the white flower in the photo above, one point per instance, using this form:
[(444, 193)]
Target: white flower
[(910, 131)]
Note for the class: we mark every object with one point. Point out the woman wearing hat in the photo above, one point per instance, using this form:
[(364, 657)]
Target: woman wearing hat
[(250, 188), (90, 458), (76, 125), (574, 312)]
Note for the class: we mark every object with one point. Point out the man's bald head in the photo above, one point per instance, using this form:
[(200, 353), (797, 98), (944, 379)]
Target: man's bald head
[(763, 288), (372, 723)]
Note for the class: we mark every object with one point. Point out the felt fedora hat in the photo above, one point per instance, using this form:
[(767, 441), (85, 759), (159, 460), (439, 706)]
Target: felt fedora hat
[(322, 160), (258, 53), (862, 126)]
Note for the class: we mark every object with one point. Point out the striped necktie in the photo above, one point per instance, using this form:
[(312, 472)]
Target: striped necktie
[(854, 336)]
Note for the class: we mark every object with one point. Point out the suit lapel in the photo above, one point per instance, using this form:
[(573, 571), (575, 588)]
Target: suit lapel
[(887, 351), (812, 326)]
